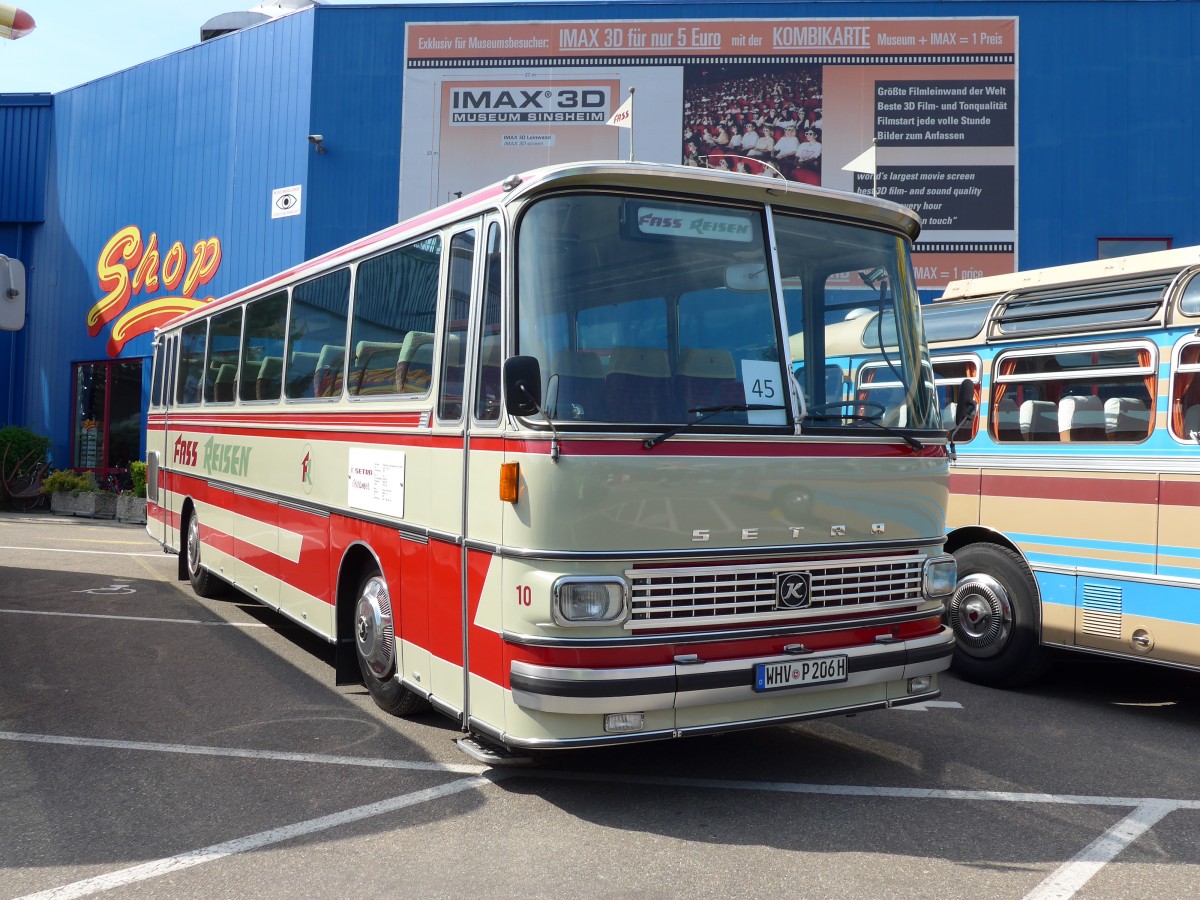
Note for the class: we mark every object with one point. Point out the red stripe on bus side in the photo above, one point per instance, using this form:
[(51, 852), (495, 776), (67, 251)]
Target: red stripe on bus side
[(1105, 490), (1179, 493)]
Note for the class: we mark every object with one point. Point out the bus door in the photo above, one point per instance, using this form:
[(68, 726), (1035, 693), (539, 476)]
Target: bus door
[(447, 572), (481, 472), (158, 442)]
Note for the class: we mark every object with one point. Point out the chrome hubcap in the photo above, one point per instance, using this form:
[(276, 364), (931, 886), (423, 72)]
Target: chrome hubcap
[(373, 628), (981, 615), (193, 545)]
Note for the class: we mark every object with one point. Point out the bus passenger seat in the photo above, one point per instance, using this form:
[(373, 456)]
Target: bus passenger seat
[(1081, 419), (266, 386), (1128, 419), (414, 367), (301, 366), (707, 377), (1191, 421), (1039, 420), (578, 392), (638, 386), (948, 413), (327, 380), (225, 383), (1008, 420), (374, 367)]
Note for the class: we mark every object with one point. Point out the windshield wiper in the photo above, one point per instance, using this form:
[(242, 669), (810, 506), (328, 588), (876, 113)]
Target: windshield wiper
[(869, 418), (706, 412)]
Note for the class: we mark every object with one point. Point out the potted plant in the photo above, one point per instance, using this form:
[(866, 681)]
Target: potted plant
[(78, 494), (131, 505)]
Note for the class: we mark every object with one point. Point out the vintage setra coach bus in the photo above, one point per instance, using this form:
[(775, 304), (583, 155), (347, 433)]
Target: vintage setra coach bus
[(560, 458)]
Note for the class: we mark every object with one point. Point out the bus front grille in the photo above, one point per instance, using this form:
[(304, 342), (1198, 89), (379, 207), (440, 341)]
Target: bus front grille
[(686, 594)]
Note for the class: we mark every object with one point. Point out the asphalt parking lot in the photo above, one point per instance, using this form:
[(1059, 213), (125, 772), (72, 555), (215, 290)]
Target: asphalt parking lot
[(153, 744)]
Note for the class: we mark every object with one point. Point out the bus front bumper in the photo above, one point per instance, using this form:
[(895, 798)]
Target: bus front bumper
[(693, 682)]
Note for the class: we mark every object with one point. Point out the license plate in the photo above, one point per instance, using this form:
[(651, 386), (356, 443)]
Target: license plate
[(793, 673)]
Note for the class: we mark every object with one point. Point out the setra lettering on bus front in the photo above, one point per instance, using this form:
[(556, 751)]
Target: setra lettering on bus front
[(227, 459)]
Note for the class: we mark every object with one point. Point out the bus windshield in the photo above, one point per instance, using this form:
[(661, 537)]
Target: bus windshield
[(654, 312)]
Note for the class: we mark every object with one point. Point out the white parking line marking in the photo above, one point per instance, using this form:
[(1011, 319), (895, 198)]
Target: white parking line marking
[(43, 612), (928, 705), (320, 758), (75, 550), (1075, 873), (159, 867), (1060, 885)]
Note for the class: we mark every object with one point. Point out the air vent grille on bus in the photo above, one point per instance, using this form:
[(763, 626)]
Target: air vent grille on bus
[(1102, 609), (708, 594)]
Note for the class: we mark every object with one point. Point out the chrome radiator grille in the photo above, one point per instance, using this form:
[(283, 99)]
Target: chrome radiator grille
[(693, 595)]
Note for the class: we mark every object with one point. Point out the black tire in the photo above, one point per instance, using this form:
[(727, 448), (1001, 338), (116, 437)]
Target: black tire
[(996, 618), (204, 582), (375, 646)]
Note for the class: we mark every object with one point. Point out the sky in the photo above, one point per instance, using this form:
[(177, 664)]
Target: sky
[(77, 41)]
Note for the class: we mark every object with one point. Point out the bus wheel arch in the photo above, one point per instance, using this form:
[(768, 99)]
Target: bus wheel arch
[(366, 626), (995, 613)]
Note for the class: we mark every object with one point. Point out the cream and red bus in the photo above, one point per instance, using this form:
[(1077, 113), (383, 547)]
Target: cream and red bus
[(1074, 493), (563, 458)]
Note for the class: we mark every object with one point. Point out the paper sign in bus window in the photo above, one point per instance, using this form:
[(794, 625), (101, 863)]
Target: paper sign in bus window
[(376, 481), (763, 384)]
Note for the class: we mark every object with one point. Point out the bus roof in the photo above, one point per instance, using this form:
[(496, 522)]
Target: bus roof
[(634, 175), (1074, 273)]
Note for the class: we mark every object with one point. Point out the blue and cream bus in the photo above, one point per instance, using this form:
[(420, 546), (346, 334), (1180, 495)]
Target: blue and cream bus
[(1074, 490)]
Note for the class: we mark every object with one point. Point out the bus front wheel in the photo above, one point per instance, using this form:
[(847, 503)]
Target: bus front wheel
[(995, 618), (375, 644)]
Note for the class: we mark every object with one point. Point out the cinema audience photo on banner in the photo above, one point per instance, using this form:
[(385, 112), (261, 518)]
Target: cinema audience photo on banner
[(765, 120)]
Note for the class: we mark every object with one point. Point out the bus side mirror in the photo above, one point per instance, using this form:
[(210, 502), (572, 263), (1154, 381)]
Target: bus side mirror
[(522, 385), (964, 407)]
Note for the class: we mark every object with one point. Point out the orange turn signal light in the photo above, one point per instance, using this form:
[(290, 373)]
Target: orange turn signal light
[(510, 479)]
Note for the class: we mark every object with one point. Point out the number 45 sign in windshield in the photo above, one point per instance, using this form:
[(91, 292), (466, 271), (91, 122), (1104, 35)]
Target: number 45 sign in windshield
[(762, 381)]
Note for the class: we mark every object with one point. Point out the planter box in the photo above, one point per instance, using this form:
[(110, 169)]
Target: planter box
[(97, 505), (131, 509)]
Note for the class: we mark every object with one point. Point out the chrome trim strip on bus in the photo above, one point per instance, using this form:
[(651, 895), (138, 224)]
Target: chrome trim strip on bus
[(1127, 655), (581, 691), (666, 556), (500, 737), (680, 637), (1114, 575), (1086, 461)]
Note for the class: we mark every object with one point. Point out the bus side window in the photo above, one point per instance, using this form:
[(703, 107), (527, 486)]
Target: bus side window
[(262, 348), (457, 315), (395, 306), (1185, 392), (487, 381), (193, 344), (224, 338), (317, 332)]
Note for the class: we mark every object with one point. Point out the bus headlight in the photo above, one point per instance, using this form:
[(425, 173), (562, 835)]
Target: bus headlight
[(589, 601), (941, 576)]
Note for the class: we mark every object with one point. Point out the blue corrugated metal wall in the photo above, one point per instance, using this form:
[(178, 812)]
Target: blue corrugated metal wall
[(187, 147), (191, 145), (24, 152)]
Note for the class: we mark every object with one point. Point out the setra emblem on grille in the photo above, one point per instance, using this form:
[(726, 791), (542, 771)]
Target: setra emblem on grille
[(791, 591)]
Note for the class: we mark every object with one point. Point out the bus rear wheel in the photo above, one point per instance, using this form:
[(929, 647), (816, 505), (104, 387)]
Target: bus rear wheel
[(204, 582), (994, 615), (375, 645)]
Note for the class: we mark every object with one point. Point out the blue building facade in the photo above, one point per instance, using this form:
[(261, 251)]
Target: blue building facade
[(143, 193)]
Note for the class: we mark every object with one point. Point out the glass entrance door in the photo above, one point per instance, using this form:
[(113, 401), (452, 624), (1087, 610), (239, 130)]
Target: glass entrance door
[(106, 433)]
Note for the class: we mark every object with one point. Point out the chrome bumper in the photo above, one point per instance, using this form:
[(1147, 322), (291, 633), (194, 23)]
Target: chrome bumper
[(696, 682)]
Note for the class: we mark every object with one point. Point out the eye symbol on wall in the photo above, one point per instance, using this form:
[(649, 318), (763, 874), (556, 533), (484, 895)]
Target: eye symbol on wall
[(286, 201)]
